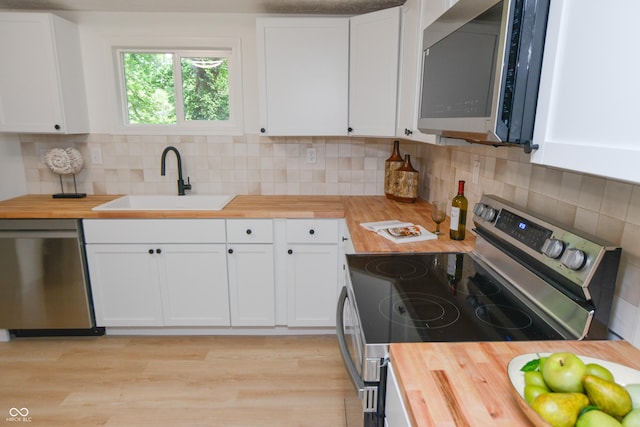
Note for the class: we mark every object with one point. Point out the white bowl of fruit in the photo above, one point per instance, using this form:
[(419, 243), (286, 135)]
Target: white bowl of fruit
[(565, 390)]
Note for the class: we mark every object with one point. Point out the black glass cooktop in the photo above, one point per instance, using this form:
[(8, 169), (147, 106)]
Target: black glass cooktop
[(438, 297)]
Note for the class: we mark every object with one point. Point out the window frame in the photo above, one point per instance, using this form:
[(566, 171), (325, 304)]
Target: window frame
[(229, 48)]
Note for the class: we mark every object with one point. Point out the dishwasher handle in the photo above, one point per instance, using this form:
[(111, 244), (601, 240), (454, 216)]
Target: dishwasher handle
[(38, 234), (344, 350)]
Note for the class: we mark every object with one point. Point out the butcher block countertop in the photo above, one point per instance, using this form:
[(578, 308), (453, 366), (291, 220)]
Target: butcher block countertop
[(355, 209), (466, 384)]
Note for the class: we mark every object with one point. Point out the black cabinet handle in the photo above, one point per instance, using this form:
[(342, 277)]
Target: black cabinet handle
[(290, 251), (408, 132), (158, 251), (349, 129), (312, 231), (230, 251), (151, 251), (344, 239), (57, 127), (249, 231), (263, 130)]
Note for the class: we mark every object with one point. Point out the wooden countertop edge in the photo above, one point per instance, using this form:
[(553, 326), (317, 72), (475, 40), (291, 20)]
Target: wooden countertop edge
[(354, 209), (466, 383)]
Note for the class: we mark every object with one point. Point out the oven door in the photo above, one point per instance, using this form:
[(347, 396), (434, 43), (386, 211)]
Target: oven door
[(366, 407)]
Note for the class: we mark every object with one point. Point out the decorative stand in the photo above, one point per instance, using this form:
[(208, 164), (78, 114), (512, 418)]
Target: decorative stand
[(65, 162), (74, 195)]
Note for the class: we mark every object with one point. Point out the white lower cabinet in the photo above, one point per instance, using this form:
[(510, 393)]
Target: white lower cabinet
[(158, 272), (214, 272), (312, 272), (194, 285), (251, 272), (159, 284), (396, 414), (251, 285), (125, 285)]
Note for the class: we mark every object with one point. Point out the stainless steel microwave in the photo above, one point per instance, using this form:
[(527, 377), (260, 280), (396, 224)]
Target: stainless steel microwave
[(481, 71)]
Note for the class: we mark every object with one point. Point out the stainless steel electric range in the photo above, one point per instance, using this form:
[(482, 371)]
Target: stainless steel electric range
[(528, 278)]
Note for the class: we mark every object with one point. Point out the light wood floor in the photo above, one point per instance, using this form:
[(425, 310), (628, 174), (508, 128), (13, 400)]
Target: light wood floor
[(175, 381)]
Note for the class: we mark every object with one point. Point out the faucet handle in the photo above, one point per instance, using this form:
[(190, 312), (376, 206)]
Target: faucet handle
[(187, 186)]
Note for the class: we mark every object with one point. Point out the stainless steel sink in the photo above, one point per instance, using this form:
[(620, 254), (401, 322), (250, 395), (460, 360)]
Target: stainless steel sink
[(192, 202)]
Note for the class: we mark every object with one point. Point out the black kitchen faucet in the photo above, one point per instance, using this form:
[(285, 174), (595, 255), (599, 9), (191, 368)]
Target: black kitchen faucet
[(181, 185)]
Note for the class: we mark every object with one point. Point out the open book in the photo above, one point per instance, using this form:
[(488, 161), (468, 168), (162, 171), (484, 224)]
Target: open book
[(399, 231)]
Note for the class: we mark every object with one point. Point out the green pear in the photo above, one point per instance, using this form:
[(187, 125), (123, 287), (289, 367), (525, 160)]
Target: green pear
[(599, 371), (596, 418), (634, 392), (535, 378), (560, 409), (563, 372), (533, 391), (632, 419), (608, 396)]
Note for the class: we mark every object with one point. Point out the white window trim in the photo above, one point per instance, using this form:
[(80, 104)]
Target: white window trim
[(233, 126)]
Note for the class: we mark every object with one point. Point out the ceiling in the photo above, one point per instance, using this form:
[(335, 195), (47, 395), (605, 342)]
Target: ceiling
[(324, 7)]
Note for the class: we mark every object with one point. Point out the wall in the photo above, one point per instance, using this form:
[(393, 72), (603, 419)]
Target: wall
[(12, 175)]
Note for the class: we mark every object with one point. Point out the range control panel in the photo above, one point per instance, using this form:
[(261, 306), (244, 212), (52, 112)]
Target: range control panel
[(559, 248)]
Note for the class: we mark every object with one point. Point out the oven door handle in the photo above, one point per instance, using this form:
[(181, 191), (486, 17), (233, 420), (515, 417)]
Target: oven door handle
[(344, 350)]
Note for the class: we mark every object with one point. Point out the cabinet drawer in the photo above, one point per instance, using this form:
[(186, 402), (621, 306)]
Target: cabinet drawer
[(312, 231), (250, 231), (154, 230)]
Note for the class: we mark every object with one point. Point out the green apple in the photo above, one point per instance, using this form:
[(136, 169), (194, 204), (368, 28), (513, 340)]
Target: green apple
[(563, 372), (634, 392), (533, 391), (632, 419), (599, 371), (535, 378)]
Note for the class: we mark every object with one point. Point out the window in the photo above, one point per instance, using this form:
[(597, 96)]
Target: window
[(181, 90)]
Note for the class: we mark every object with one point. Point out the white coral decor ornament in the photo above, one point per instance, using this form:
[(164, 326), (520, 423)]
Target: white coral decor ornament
[(64, 161), (67, 161)]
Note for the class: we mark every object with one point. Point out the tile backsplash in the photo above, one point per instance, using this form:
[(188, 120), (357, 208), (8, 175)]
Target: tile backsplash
[(252, 164)]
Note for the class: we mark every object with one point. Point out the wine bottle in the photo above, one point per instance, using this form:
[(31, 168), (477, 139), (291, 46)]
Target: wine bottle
[(458, 214)]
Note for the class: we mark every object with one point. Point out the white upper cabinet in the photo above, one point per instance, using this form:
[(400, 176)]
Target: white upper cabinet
[(41, 77), (409, 86), (329, 76), (373, 73), (303, 75), (588, 102)]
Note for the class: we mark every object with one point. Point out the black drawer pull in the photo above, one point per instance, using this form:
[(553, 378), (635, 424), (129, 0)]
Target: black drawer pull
[(158, 251), (249, 231), (151, 251), (230, 251), (290, 251), (312, 231)]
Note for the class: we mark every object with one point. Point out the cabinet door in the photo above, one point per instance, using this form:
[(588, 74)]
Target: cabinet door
[(587, 113), (410, 80), (194, 285), (312, 284), (373, 69), (303, 72), (251, 284), (124, 284), (396, 414), (41, 81)]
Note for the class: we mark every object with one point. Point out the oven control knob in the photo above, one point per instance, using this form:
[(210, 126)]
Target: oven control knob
[(485, 212), (574, 259), (479, 208), (489, 214), (553, 248)]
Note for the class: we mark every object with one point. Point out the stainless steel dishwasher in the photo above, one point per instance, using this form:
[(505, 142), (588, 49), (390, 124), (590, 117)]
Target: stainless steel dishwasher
[(43, 279)]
